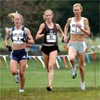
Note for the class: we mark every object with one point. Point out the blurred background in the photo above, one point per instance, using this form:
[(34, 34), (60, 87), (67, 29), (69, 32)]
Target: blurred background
[(32, 11)]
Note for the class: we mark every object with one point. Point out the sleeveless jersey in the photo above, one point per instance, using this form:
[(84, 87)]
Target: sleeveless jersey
[(50, 35), (18, 34), (73, 26)]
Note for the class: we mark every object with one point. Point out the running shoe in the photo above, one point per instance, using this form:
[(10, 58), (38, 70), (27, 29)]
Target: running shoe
[(83, 86), (49, 88), (74, 74), (21, 90), (17, 77)]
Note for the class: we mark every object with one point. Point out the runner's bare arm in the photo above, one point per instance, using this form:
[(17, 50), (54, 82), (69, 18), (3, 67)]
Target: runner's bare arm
[(39, 33)]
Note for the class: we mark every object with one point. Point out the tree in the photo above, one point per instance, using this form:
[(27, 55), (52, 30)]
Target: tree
[(32, 10)]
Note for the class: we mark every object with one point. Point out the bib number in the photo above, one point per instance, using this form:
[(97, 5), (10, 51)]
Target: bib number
[(51, 37)]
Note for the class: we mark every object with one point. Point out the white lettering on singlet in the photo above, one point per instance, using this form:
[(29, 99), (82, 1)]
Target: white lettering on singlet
[(17, 36), (51, 37), (75, 29)]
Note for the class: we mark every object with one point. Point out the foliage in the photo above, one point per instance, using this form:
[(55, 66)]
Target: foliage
[(32, 10)]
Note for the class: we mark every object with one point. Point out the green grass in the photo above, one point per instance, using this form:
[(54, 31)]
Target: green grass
[(64, 87)]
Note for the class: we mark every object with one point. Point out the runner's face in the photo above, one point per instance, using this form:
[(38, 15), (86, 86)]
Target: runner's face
[(77, 11), (17, 20), (48, 16)]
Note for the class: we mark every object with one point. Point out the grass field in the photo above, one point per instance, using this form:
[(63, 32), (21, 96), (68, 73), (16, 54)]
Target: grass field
[(64, 87)]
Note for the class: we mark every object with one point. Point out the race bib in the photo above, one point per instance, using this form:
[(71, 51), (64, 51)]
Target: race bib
[(51, 37), (17, 38)]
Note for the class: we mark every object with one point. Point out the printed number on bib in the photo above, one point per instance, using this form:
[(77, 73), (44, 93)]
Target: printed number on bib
[(51, 37)]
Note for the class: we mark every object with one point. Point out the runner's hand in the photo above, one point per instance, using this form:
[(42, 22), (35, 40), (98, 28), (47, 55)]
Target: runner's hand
[(9, 48)]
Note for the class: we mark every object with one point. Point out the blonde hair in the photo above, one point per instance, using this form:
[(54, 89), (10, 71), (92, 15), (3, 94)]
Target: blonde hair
[(21, 17), (12, 15), (78, 4), (48, 10)]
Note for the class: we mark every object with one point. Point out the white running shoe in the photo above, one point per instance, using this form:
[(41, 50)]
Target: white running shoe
[(21, 90), (83, 86), (17, 77), (74, 74)]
